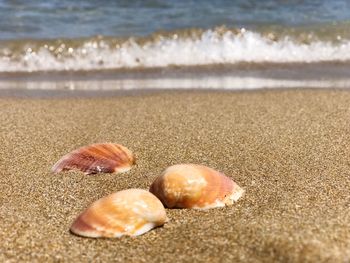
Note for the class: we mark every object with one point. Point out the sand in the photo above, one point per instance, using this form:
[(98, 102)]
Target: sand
[(289, 149)]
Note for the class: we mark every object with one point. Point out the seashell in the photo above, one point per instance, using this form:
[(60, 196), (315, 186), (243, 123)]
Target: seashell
[(129, 212), (97, 158), (195, 186)]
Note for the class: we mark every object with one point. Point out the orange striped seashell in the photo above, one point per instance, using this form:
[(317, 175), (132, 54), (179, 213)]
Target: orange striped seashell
[(195, 186), (97, 158), (129, 212)]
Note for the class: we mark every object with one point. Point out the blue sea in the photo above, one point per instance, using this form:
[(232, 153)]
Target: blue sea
[(174, 44)]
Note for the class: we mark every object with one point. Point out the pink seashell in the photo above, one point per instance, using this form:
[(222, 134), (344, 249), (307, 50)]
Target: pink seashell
[(129, 212), (97, 158), (195, 186)]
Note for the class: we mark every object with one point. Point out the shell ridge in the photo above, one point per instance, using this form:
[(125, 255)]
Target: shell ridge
[(107, 151), (94, 150), (125, 156)]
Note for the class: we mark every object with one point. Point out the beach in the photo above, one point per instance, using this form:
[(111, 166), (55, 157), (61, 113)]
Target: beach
[(289, 149)]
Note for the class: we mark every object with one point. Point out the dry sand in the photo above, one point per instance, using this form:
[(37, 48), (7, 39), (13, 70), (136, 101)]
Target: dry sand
[(289, 149)]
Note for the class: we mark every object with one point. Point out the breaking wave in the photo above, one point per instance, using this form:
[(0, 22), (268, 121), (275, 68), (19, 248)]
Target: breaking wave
[(180, 48)]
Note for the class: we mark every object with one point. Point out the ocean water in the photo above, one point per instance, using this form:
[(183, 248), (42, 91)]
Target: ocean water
[(176, 44)]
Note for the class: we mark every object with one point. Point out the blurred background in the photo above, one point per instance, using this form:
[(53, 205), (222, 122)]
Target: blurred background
[(227, 44)]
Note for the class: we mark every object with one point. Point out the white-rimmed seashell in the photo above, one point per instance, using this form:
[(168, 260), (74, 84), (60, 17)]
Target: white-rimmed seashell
[(195, 186)]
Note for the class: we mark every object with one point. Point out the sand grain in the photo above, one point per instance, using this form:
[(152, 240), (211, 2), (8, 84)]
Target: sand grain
[(290, 151)]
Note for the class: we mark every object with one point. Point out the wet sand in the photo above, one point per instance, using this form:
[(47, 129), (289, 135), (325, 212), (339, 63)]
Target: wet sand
[(289, 149)]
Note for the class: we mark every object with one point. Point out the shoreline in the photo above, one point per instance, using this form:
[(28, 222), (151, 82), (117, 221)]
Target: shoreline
[(288, 148), (241, 76), (105, 94)]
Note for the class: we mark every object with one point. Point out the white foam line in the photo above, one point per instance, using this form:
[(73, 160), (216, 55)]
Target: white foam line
[(229, 83), (210, 48)]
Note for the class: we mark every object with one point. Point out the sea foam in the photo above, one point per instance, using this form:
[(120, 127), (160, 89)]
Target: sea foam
[(208, 48)]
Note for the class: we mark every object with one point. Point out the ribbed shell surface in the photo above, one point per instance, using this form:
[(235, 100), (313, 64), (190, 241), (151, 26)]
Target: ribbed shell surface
[(97, 158), (128, 212)]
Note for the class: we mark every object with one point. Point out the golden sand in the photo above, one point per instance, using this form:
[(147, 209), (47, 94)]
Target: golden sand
[(289, 150)]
